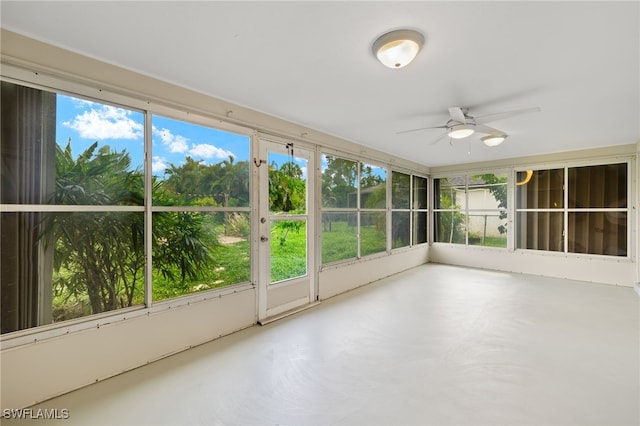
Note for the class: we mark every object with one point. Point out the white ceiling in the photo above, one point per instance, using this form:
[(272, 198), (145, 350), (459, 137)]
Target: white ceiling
[(311, 63)]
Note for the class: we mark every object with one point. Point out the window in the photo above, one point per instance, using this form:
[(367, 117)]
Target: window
[(200, 208), (354, 212), (471, 209), (595, 211), (74, 217), (409, 210), (73, 207)]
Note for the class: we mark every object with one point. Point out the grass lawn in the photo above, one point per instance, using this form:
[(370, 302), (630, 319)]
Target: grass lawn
[(341, 242)]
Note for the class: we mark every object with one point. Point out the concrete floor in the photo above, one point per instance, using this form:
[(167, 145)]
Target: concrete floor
[(434, 345)]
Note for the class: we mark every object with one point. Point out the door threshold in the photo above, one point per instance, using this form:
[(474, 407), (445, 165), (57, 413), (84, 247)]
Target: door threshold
[(288, 313)]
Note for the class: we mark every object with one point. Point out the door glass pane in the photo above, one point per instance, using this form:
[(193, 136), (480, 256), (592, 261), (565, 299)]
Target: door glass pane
[(339, 236), (287, 184), (288, 249)]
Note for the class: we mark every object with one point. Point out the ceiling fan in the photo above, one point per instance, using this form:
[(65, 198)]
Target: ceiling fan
[(461, 125)]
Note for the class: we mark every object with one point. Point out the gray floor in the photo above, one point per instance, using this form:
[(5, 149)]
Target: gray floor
[(434, 345)]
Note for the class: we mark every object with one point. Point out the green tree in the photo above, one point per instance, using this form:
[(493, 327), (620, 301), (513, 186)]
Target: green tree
[(101, 254), (498, 189), (339, 182), (186, 181), (229, 182), (448, 223), (226, 182), (287, 188)]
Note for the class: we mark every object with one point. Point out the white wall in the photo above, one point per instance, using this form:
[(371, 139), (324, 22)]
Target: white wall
[(574, 267), (40, 370), (338, 279)]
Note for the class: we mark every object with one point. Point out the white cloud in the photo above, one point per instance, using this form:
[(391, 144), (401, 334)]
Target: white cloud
[(82, 103), (204, 150), (158, 166), (176, 143), (106, 122)]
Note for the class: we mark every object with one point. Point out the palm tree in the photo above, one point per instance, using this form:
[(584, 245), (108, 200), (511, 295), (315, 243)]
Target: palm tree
[(102, 253)]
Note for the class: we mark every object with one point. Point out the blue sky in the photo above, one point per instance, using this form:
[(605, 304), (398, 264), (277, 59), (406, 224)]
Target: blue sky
[(85, 122)]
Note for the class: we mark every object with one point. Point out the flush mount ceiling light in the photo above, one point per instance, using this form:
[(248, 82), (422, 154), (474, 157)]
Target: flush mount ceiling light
[(398, 48), (493, 140), (461, 131)]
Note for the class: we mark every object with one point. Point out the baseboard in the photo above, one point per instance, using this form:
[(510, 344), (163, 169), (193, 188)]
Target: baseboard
[(287, 313)]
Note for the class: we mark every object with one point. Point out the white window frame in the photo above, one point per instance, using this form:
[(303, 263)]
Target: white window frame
[(565, 210)]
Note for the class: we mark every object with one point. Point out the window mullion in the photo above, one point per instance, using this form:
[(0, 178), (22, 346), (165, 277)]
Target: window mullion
[(148, 211), (565, 206)]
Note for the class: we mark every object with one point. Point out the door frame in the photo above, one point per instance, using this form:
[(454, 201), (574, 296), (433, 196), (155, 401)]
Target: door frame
[(285, 291)]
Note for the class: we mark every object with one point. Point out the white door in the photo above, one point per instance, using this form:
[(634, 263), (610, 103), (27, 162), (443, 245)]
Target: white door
[(285, 253)]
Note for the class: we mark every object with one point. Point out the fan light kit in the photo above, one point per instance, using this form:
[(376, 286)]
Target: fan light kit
[(461, 125), (461, 131), (396, 49), (493, 140)]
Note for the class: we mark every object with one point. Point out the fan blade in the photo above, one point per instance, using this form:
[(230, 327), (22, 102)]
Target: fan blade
[(481, 128), (439, 139), (488, 118), (457, 115), (421, 128)]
